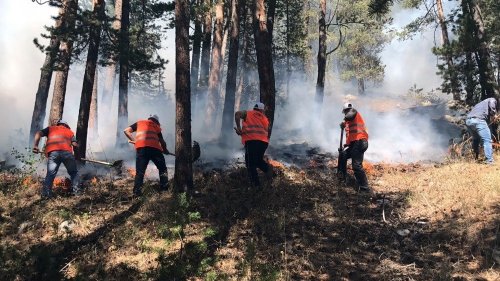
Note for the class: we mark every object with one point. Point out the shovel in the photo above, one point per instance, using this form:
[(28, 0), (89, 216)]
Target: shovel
[(341, 151), (115, 165), (195, 149)]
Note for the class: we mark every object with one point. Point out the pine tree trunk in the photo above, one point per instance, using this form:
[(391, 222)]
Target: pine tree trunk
[(124, 72), (205, 54), (195, 61), (59, 94), (215, 67), (361, 86), (42, 93), (486, 77), (88, 79), (446, 44), (183, 178), (469, 80), (110, 77), (93, 121), (320, 82), (232, 69), (244, 47), (288, 70), (263, 47)]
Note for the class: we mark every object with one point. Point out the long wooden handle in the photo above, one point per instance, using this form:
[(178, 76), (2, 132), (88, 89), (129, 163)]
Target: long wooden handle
[(341, 138), (98, 162)]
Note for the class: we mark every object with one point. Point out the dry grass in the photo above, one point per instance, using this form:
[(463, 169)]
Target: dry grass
[(466, 190), (303, 226)]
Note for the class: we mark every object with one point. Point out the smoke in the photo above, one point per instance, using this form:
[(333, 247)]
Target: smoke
[(395, 135)]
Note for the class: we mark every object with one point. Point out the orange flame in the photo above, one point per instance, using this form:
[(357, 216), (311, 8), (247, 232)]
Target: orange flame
[(131, 172), (27, 181), (275, 164), (62, 183)]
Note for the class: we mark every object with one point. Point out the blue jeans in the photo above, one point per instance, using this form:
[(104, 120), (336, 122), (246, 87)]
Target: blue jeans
[(480, 132), (54, 160)]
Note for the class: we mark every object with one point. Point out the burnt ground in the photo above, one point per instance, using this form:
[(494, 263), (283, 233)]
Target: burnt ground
[(304, 225)]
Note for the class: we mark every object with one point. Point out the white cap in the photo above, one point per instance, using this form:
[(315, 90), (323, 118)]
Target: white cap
[(259, 105), (60, 121), (154, 116), (346, 106)]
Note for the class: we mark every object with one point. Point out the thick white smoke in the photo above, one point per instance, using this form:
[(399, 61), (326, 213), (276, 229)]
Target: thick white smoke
[(394, 136)]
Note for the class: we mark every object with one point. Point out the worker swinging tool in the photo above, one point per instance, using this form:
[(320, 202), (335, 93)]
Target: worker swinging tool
[(355, 146), (150, 145), (59, 149)]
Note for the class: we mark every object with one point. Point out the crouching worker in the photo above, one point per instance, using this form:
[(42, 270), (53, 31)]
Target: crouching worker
[(477, 125), (255, 137), (356, 143), (59, 149), (149, 145)]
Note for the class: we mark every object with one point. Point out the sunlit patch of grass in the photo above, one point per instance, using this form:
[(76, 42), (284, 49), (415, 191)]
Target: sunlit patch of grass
[(462, 188)]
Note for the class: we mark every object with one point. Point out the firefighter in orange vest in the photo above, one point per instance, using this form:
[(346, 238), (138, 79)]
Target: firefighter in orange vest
[(356, 143), (59, 149), (149, 145), (254, 134)]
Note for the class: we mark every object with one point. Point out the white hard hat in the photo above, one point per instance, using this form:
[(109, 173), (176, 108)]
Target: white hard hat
[(62, 122), (259, 105), (154, 116), (347, 105)]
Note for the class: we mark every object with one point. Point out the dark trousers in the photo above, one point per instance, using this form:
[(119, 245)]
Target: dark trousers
[(144, 154), (254, 158), (356, 151)]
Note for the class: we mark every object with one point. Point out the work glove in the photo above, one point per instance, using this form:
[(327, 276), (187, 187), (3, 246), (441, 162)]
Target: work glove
[(496, 119), (342, 125), (36, 149)]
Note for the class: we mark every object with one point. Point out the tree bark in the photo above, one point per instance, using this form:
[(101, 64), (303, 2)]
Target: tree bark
[(263, 47), (88, 79), (195, 66), (288, 70), (124, 72), (205, 52), (320, 82), (243, 79), (183, 178), (215, 67), (232, 69), (59, 94), (361, 86), (93, 121), (110, 77), (446, 44), (486, 77), (45, 78)]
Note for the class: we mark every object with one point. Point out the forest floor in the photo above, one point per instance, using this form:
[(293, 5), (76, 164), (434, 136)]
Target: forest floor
[(425, 222)]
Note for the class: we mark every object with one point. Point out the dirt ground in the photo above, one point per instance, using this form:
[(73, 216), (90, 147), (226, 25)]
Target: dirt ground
[(425, 222)]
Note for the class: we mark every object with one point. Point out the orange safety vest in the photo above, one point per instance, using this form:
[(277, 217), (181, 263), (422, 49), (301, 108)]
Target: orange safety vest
[(356, 129), (147, 135), (255, 127), (59, 138)]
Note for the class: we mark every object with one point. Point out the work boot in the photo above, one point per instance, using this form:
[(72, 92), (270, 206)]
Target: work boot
[(164, 188), (342, 177), (137, 192), (366, 189), (270, 173)]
